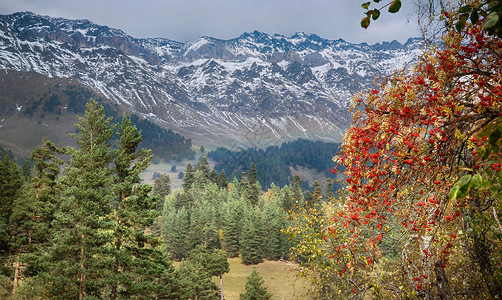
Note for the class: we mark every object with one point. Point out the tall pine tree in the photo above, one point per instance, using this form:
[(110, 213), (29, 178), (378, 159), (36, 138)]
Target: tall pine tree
[(83, 226), (33, 213), (136, 258)]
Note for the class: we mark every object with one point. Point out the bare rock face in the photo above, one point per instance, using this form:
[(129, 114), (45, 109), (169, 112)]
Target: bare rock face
[(254, 90)]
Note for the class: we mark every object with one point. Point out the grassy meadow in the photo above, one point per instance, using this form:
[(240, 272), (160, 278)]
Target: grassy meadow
[(279, 277)]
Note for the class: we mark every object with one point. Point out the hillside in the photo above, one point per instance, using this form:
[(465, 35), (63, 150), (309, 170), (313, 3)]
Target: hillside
[(34, 106)]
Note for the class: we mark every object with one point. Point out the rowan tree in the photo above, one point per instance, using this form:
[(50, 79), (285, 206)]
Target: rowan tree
[(422, 163), (418, 216)]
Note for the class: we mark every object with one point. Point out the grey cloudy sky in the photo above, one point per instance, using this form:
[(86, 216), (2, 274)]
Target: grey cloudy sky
[(185, 20)]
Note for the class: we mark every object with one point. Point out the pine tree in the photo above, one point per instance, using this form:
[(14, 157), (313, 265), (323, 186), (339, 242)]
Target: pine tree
[(82, 228), (33, 212), (134, 251), (286, 200), (161, 188), (11, 182), (254, 287)]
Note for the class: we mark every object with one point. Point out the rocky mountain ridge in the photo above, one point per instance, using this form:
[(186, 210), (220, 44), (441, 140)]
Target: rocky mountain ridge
[(254, 90)]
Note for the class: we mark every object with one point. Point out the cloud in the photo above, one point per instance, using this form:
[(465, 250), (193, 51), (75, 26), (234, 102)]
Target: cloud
[(185, 20)]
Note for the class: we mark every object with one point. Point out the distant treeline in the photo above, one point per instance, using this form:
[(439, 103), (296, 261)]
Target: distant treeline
[(275, 161)]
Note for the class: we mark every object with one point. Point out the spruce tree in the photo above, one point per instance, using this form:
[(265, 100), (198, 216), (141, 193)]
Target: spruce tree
[(214, 262), (188, 178), (297, 191), (175, 232), (196, 282), (252, 173), (251, 241), (329, 192), (82, 262), (231, 227), (255, 290), (222, 180)]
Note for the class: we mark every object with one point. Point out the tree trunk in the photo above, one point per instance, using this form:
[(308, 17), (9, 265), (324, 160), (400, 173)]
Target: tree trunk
[(82, 268), (221, 287), (16, 276), (113, 294), (442, 282)]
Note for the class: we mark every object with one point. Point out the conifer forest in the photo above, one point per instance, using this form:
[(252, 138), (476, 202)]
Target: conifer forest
[(409, 207)]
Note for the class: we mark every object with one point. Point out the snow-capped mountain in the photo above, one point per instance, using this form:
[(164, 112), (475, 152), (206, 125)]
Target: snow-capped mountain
[(253, 90)]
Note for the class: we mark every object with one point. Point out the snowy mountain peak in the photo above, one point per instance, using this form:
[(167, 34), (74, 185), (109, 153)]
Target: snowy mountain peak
[(255, 89)]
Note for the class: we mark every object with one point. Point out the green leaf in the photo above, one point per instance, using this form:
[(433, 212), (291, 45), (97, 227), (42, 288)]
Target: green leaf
[(474, 16), (460, 25), (491, 20), (464, 180), (495, 192), (395, 6), (365, 5), (464, 9), (476, 181), (365, 22), (454, 192), (492, 5), (376, 14), (494, 136)]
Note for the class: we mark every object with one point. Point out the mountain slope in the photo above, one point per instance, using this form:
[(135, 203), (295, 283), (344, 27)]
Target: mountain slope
[(254, 90), (34, 106)]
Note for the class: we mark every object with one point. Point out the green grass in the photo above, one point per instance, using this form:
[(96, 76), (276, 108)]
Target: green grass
[(279, 277)]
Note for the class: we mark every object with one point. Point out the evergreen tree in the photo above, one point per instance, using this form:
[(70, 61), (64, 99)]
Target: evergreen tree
[(33, 213), (11, 182), (213, 176), (202, 149), (222, 180), (134, 250), (251, 240), (204, 167), (252, 173), (203, 227), (286, 200), (175, 232), (26, 170), (188, 178), (196, 283), (329, 192), (82, 227), (231, 227), (253, 193), (296, 188), (255, 290), (161, 188), (214, 262)]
